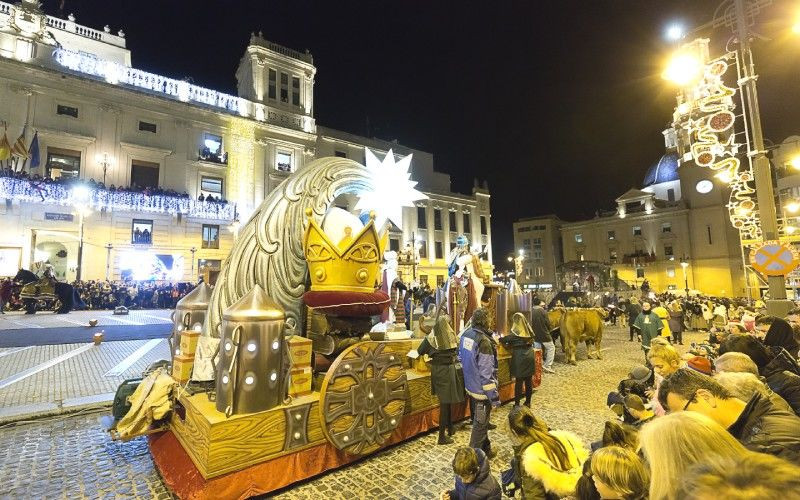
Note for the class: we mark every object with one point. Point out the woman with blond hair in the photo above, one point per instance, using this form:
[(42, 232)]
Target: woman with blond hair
[(546, 463), (523, 361), (675, 442), (618, 473)]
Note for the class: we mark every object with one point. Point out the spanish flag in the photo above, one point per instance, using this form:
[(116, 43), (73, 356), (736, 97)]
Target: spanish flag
[(5, 148), (18, 149)]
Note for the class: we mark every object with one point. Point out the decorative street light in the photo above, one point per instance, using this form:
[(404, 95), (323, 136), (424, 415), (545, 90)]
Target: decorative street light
[(685, 265), (685, 69)]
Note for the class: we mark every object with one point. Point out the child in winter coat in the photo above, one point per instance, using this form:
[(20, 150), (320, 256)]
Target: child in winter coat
[(474, 480)]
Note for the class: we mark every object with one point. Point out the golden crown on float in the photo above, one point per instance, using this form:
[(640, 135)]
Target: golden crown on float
[(350, 265)]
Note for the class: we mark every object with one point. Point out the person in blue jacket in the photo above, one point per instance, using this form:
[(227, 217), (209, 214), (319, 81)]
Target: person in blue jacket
[(474, 480), (479, 363)]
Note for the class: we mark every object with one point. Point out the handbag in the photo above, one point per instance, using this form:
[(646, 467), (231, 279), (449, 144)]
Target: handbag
[(509, 481)]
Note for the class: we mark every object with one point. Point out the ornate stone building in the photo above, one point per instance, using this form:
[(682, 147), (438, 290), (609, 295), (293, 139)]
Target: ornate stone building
[(72, 90)]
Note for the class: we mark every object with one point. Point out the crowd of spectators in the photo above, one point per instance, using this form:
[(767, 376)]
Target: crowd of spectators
[(107, 295), (720, 421)]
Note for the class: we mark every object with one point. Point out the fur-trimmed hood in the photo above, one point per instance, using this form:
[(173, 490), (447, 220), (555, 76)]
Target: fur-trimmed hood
[(536, 464)]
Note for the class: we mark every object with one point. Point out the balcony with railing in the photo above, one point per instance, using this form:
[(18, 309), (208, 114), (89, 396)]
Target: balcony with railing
[(70, 26), (100, 198), (638, 257)]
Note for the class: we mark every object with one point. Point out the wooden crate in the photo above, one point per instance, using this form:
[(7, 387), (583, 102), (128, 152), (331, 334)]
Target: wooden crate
[(182, 367), (300, 381)]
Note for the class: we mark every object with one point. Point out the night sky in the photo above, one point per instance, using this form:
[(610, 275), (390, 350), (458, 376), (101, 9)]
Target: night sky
[(559, 104)]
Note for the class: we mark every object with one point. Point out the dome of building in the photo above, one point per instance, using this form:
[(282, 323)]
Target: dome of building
[(664, 170)]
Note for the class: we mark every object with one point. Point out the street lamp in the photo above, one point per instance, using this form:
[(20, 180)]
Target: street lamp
[(109, 246), (685, 265), (193, 250), (683, 69), (80, 196)]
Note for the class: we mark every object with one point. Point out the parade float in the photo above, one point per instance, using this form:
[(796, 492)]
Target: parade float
[(279, 372)]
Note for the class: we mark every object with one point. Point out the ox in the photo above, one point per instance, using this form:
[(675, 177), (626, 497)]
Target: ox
[(579, 325)]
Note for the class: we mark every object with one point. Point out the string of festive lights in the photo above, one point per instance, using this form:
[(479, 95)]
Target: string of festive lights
[(713, 145), (103, 199)]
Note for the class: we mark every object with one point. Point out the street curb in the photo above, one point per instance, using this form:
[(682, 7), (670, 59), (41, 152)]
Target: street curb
[(16, 414)]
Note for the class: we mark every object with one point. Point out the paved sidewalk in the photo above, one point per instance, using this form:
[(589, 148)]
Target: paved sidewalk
[(57, 378), (15, 320)]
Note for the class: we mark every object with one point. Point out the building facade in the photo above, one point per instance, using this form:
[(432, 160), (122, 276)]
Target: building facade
[(168, 143), (538, 241), (673, 230)]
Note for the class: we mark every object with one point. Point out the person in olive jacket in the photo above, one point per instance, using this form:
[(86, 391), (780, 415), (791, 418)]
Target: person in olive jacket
[(447, 378), (523, 364)]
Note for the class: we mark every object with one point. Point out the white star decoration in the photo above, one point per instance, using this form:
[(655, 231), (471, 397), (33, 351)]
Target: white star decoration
[(393, 189)]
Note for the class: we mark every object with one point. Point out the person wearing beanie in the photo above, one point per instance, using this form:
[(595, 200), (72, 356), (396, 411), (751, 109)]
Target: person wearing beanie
[(700, 365)]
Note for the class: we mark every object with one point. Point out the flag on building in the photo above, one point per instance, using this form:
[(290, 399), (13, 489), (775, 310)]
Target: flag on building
[(33, 151), (18, 149), (5, 148)]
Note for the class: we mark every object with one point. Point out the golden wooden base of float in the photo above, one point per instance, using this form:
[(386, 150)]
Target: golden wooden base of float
[(206, 455)]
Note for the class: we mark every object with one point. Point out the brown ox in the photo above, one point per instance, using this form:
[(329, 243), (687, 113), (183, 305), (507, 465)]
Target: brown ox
[(579, 325)]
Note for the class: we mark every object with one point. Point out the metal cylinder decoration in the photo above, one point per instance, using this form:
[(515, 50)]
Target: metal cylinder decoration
[(501, 312), (190, 314), (252, 368)]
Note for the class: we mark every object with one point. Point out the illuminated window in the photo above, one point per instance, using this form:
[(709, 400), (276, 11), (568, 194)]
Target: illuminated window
[(295, 91), (63, 163), (637, 230), (578, 238), (144, 174), (211, 186), (422, 218), (210, 236), (213, 143), (147, 127), (284, 87), (668, 252), (612, 235), (670, 272), (273, 76), (438, 250), (142, 232), (423, 249), (666, 227), (283, 161), (63, 109), (437, 219)]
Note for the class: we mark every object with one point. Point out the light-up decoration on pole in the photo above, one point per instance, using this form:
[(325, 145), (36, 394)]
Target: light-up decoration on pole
[(392, 189), (713, 144), (241, 164)]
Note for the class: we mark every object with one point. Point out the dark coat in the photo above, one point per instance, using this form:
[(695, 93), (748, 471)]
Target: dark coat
[(523, 363), (763, 428), (783, 377), (541, 325), (633, 312), (675, 321), (447, 378), (780, 334), (484, 487)]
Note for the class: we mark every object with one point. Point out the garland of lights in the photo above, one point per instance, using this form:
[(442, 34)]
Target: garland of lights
[(102, 199), (713, 145)]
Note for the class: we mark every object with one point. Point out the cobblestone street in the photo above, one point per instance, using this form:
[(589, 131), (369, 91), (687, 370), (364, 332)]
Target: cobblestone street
[(71, 457)]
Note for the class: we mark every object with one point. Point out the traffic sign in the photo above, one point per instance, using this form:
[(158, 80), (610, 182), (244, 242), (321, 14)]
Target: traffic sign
[(774, 258)]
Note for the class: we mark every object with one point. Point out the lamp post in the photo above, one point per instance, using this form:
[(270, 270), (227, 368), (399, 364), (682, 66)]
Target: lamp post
[(685, 265), (109, 246), (193, 250), (735, 14), (80, 196)]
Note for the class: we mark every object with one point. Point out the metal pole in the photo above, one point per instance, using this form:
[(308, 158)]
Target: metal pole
[(108, 259), (778, 305), (413, 256), (80, 245)]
